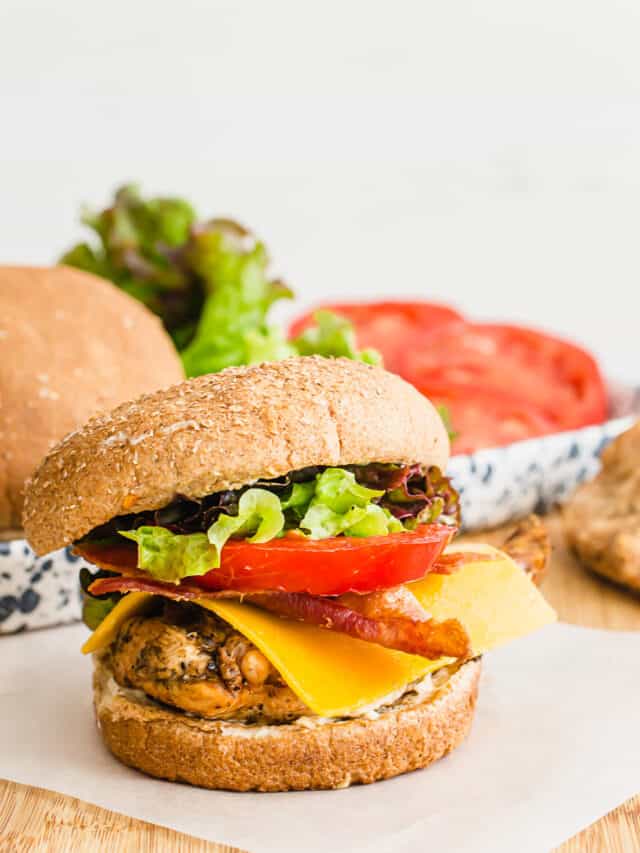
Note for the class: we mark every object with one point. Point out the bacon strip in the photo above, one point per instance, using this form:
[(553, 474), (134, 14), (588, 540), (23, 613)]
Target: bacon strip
[(427, 638), (142, 583), (396, 601), (447, 564)]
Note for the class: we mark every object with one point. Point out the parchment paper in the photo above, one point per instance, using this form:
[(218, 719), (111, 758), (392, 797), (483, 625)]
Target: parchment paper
[(555, 745)]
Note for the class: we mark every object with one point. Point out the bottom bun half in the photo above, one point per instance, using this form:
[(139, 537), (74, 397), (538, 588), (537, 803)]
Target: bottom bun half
[(321, 754)]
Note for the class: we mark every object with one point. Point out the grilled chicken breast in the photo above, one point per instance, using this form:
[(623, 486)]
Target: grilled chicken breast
[(602, 519), (188, 658)]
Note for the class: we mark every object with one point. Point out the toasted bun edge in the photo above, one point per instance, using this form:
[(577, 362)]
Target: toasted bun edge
[(169, 745)]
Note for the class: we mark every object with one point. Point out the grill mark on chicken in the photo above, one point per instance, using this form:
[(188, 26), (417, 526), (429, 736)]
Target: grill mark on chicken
[(190, 659)]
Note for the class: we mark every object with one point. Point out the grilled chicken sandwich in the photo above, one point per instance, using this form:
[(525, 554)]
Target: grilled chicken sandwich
[(276, 603)]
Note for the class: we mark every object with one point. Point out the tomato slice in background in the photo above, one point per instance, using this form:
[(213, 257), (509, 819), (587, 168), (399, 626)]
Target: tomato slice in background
[(490, 419), (385, 326), (297, 564), (559, 378)]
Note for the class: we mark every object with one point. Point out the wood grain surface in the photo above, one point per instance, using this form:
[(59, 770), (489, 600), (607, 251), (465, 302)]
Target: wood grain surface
[(37, 821)]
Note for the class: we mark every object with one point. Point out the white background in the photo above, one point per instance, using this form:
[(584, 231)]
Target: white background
[(485, 153)]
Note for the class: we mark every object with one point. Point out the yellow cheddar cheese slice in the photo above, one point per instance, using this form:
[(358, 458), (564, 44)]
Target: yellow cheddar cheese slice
[(336, 675), (333, 674), (494, 600)]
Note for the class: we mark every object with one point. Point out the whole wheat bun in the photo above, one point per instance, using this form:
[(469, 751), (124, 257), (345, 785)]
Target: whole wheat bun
[(224, 431), (170, 745), (71, 345)]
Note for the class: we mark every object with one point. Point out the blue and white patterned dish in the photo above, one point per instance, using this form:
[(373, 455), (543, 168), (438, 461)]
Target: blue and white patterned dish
[(503, 483), (495, 485), (37, 592)]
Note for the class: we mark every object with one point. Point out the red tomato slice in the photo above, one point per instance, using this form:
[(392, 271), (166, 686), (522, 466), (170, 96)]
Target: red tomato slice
[(489, 419), (385, 326), (557, 377), (329, 566), (296, 564)]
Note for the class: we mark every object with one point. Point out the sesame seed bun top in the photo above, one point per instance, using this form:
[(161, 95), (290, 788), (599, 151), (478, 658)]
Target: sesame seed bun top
[(224, 431), (71, 345)]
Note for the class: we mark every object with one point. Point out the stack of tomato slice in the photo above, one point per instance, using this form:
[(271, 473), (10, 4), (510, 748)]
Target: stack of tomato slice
[(386, 326), (499, 383)]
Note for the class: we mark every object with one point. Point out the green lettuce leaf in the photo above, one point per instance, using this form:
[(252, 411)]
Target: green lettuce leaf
[(321, 522), (232, 329), (259, 519), (171, 556), (339, 490), (376, 521), (266, 344), (208, 281), (340, 505), (94, 610), (333, 337), (301, 494), (95, 607), (155, 250), (445, 417)]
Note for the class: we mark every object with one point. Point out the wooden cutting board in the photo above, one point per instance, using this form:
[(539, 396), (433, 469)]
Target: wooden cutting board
[(36, 821)]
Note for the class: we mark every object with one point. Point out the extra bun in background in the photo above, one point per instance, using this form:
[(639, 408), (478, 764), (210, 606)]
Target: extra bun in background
[(226, 430), (71, 345)]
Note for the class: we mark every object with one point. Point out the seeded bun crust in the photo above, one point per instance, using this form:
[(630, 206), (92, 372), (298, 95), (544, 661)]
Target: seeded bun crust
[(71, 345), (170, 745), (224, 431)]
